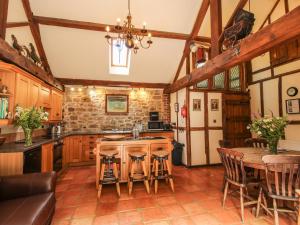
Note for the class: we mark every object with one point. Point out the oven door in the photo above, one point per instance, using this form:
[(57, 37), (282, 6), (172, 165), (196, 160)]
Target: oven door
[(57, 156)]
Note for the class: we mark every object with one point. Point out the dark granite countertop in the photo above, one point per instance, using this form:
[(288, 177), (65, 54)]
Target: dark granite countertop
[(38, 141)]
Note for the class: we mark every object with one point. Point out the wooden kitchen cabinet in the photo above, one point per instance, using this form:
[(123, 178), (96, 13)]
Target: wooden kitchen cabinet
[(88, 146), (34, 93), (45, 97), (75, 149), (47, 157), (22, 90), (56, 105), (66, 152)]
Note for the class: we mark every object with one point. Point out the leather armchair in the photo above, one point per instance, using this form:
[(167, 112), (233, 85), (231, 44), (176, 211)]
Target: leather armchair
[(27, 199)]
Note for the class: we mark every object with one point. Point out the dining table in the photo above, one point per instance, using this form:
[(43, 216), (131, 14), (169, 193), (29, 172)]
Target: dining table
[(253, 156)]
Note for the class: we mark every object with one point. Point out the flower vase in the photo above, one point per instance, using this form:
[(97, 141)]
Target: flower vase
[(273, 144), (28, 136)]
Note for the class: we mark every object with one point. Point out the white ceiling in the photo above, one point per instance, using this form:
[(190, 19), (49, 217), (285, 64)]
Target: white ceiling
[(74, 53)]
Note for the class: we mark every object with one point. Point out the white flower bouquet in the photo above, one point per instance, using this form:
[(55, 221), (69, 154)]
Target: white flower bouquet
[(270, 128), (29, 119)]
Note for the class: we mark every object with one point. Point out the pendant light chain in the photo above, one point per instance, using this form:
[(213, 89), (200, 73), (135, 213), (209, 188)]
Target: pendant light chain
[(129, 7)]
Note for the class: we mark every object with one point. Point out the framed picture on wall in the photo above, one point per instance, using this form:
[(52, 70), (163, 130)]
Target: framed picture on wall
[(196, 104), (293, 106), (214, 104), (116, 104)]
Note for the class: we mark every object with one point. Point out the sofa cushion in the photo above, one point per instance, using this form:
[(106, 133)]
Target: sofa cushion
[(32, 210)]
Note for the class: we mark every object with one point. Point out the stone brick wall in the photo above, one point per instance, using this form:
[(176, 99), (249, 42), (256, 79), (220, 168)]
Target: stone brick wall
[(81, 110)]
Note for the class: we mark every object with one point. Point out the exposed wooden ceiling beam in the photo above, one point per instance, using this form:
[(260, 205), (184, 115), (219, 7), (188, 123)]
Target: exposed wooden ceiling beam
[(216, 26), (109, 83), (102, 27), (197, 25), (34, 27), (281, 30), (269, 14), (10, 55), (17, 24), (241, 4), (3, 17)]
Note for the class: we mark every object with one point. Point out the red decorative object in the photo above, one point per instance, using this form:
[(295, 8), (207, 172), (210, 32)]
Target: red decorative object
[(183, 111), (200, 55)]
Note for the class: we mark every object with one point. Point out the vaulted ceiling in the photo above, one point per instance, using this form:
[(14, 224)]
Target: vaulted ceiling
[(83, 54)]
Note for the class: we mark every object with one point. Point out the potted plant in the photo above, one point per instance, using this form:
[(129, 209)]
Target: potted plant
[(270, 128), (29, 119)]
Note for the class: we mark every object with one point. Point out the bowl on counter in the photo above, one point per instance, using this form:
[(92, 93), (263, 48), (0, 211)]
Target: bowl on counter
[(2, 140), (114, 137)]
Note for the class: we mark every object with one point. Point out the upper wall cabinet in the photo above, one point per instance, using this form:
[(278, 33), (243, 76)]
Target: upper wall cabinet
[(45, 96), (56, 105), (34, 93), (26, 90), (22, 91)]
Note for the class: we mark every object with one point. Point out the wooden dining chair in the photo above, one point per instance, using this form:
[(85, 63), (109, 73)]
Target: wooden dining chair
[(235, 175), (256, 142), (282, 176)]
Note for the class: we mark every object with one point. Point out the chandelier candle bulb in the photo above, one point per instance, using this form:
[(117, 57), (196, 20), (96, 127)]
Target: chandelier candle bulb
[(107, 29), (118, 21), (144, 25)]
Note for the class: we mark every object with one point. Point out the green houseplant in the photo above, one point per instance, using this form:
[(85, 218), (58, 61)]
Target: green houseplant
[(29, 119), (270, 128)]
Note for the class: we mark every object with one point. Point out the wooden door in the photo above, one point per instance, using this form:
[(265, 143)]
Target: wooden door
[(45, 97), (22, 91), (236, 117), (75, 149), (47, 157), (34, 93)]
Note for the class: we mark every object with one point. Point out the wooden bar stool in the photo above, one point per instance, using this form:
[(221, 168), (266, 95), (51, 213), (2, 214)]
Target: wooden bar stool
[(161, 169), (137, 158), (108, 174)]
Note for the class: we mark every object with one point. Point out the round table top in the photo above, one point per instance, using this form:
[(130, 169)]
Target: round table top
[(253, 156)]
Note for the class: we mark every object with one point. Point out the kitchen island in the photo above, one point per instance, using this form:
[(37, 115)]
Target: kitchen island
[(126, 145)]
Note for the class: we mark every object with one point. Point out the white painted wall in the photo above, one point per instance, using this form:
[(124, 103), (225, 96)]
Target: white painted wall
[(214, 117), (197, 117), (198, 148), (271, 96), (214, 137)]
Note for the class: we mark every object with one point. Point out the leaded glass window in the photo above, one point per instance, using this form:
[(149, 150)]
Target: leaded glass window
[(219, 81), (234, 78), (202, 84)]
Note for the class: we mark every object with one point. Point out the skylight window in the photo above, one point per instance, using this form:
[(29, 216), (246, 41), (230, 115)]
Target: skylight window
[(119, 58)]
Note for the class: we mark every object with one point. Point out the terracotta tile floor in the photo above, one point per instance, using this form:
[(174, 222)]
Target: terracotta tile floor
[(197, 200)]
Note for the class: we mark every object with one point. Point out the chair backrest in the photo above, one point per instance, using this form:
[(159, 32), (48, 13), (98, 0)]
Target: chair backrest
[(234, 165), (256, 142), (284, 172)]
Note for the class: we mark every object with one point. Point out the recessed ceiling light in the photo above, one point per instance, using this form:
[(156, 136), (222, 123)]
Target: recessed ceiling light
[(79, 89), (72, 89)]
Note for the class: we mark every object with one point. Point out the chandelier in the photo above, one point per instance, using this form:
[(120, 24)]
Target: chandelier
[(127, 34)]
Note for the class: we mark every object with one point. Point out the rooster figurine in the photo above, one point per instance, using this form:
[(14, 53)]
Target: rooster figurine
[(16, 45), (27, 51), (33, 55)]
